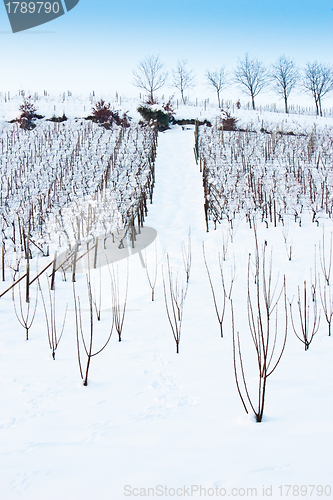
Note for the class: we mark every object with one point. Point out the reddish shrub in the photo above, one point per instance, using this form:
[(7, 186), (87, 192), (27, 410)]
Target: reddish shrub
[(104, 114), (102, 111), (229, 123)]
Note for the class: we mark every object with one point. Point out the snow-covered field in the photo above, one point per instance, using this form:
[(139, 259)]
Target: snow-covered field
[(153, 423)]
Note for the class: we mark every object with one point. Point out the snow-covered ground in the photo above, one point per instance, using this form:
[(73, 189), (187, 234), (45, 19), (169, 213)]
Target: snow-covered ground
[(78, 106), (153, 423)]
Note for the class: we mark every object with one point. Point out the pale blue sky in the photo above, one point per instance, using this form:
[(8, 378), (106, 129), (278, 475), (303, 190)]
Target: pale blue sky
[(99, 43)]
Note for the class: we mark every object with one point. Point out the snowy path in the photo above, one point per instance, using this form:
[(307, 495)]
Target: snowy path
[(178, 195)]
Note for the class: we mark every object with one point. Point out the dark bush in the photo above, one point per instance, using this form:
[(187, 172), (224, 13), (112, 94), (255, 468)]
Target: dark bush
[(151, 101), (28, 109), (28, 113), (103, 113), (168, 108), (229, 123), (155, 117), (26, 124), (123, 121), (58, 119), (191, 121)]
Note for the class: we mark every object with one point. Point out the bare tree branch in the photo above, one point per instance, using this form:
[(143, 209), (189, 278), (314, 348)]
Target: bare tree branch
[(260, 307), (50, 318), (285, 77), (318, 81), (187, 256), (217, 79), (80, 336), (183, 79), (251, 74), (325, 261), (308, 328), (150, 76), (219, 313), (118, 311), (25, 318), (174, 302)]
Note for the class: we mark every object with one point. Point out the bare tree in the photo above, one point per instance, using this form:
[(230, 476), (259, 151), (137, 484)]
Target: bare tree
[(3, 252), (251, 74), (183, 79), (325, 260), (25, 316), (264, 331), (285, 77), (150, 76), (318, 81), (308, 326), (313, 277), (225, 244), (217, 79), (175, 303), (151, 276), (219, 313), (326, 298), (97, 296), (50, 318), (118, 311), (287, 242), (86, 341), (187, 256)]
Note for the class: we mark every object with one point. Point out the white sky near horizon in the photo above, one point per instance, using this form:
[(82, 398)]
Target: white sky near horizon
[(97, 45)]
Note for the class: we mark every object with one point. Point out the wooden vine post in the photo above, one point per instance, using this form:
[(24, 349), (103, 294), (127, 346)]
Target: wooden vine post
[(3, 250), (27, 298)]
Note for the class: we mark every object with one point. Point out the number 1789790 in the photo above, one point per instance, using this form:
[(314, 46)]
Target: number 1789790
[(33, 7)]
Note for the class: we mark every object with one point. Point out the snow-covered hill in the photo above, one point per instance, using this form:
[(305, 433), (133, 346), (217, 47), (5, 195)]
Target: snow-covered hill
[(153, 423)]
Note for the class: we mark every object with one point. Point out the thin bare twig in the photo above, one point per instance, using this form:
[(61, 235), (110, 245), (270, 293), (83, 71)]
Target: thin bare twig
[(308, 329), (118, 312), (260, 310), (187, 256), (220, 311), (87, 343), (326, 298), (174, 303), (325, 261), (25, 318), (152, 277), (50, 318)]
